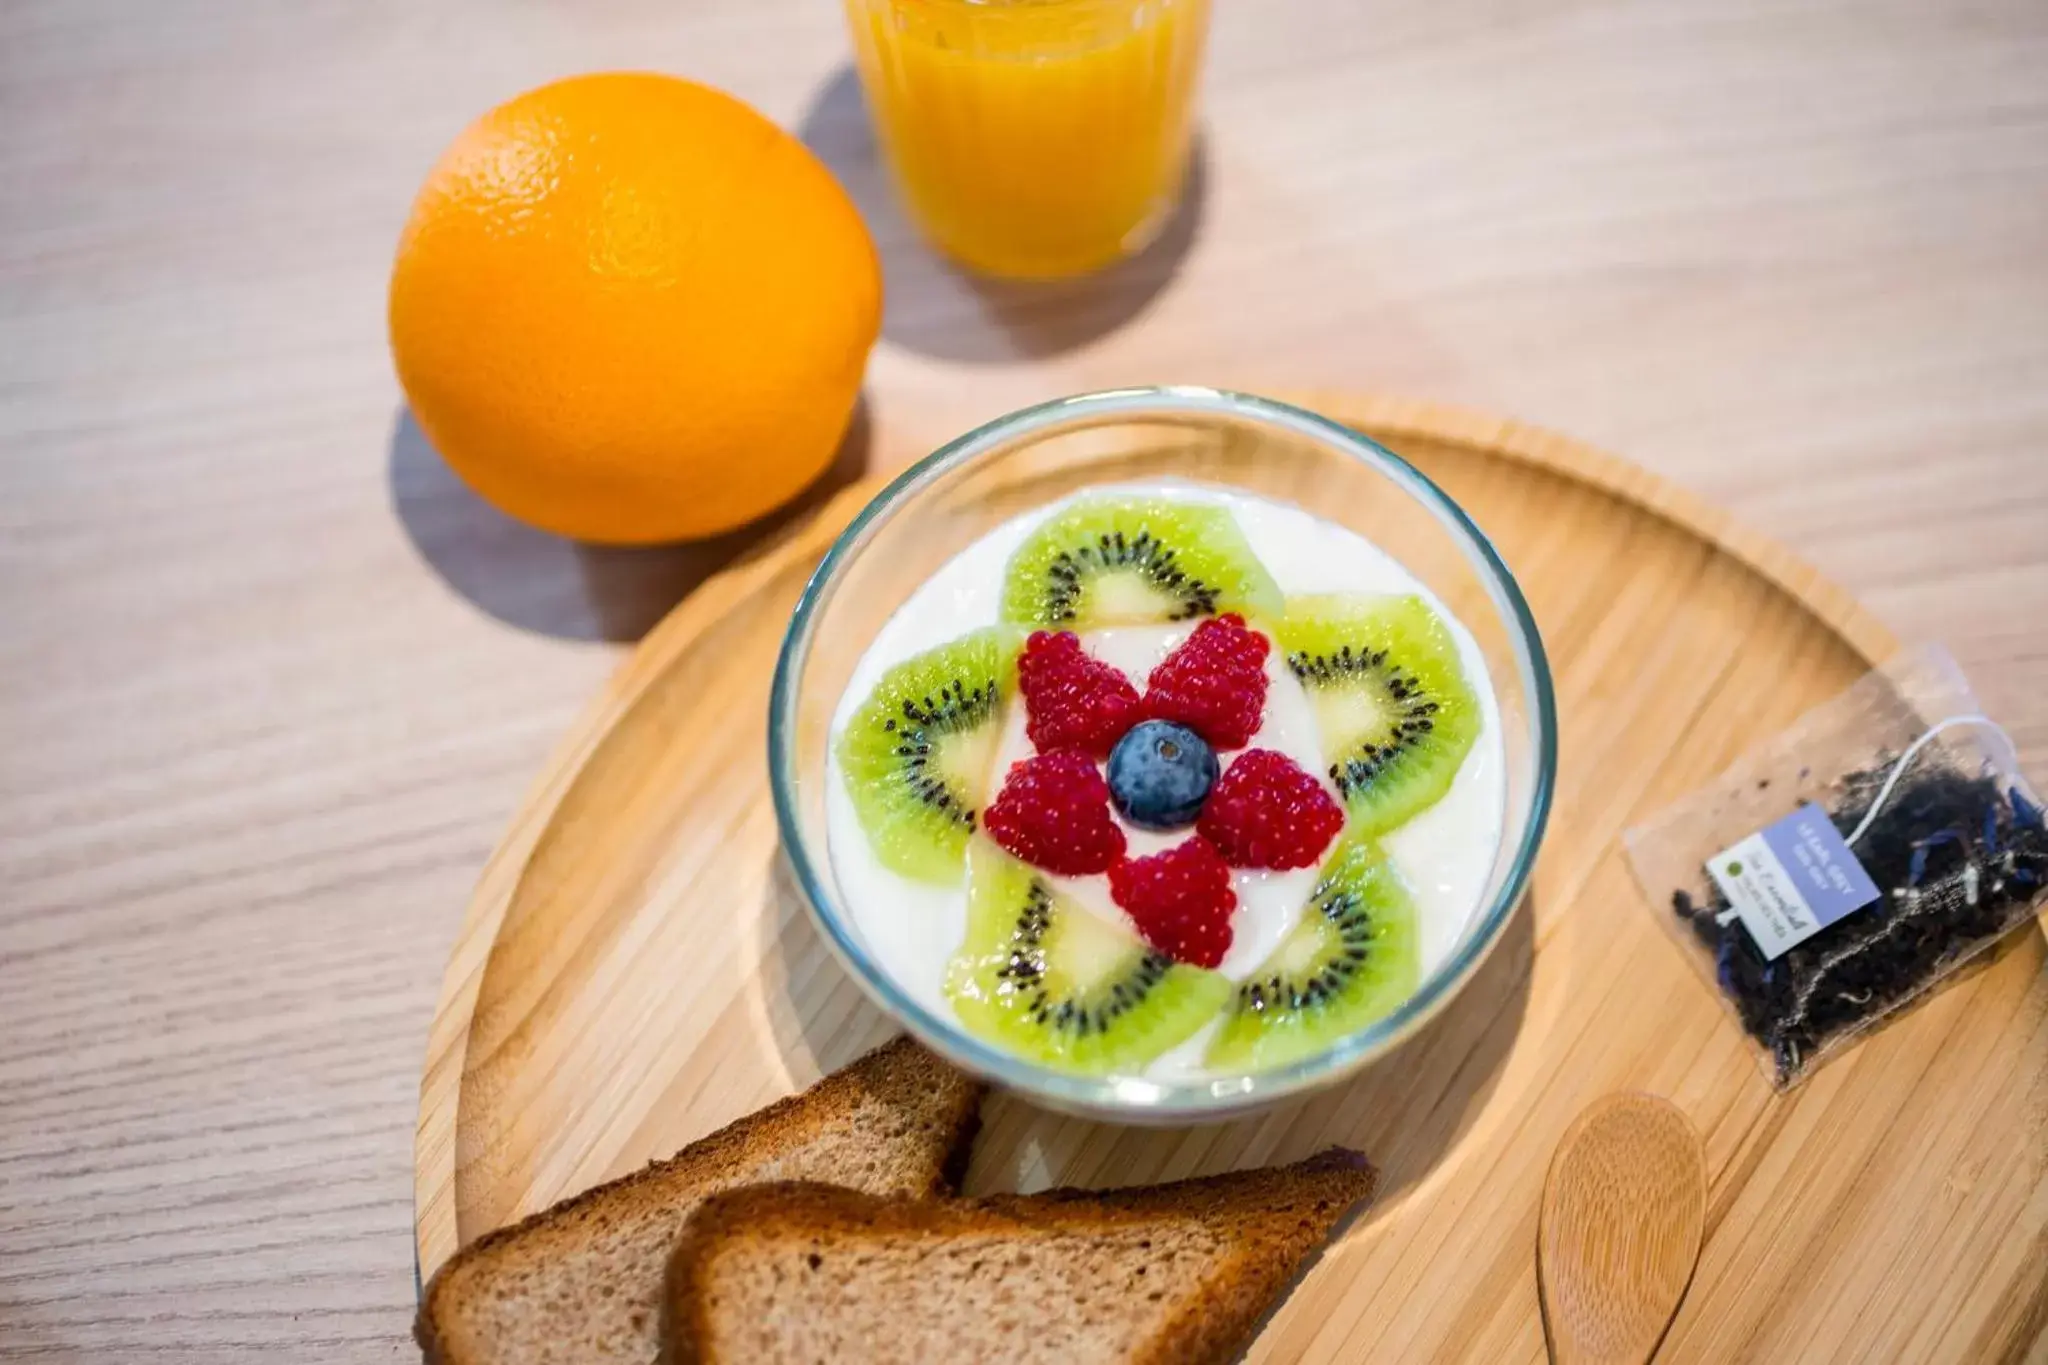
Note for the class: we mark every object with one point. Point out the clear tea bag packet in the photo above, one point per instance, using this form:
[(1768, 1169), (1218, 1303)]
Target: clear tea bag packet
[(1852, 863)]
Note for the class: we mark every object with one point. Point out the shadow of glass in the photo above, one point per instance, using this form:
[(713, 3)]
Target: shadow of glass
[(1407, 1112), (945, 312), (564, 588), (818, 1018)]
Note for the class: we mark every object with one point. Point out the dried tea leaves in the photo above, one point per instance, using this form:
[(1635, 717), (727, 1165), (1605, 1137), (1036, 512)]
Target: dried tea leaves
[(1958, 860)]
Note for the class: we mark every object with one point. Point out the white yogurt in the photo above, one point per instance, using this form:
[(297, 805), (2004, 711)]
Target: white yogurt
[(912, 929)]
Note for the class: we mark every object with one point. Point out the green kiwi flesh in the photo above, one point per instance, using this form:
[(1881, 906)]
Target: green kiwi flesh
[(1393, 708), (1351, 959), (916, 755), (1126, 560), (1054, 983)]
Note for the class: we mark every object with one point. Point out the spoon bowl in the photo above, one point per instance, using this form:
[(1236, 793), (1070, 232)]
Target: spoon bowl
[(1624, 1209)]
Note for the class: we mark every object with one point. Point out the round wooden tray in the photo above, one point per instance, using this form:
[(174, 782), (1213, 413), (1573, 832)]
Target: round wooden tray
[(635, 970)]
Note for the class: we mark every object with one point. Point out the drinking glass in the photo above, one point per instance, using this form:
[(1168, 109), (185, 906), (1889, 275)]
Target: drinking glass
[(1033, 138)]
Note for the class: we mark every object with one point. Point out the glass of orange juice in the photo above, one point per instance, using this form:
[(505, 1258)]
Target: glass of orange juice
[(1033, 138)]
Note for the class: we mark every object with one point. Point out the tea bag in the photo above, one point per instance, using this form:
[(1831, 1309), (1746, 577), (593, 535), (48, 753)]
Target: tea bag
[(1852, 863)]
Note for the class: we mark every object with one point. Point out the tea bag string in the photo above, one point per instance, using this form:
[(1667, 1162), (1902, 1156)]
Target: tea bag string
[(1905, 761)]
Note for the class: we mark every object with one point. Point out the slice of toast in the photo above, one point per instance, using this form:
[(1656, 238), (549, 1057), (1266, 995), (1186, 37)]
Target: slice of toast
[(1167, 1274), (582, 1281)]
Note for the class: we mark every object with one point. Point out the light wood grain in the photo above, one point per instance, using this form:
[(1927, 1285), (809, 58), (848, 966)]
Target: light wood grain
[(273, 684), (1624, 1208), (637, 969)]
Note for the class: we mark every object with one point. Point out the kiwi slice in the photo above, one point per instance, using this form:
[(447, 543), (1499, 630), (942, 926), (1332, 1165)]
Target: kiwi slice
[(1124, 560), (916, 755), (1351, 959), (1392, 706), (1054, 983)]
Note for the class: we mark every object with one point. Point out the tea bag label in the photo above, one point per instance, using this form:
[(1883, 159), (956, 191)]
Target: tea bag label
[(1791, 879)]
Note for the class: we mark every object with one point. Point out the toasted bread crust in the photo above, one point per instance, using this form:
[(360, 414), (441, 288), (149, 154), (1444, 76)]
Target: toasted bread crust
[(1273, 1219), (899, 1073)]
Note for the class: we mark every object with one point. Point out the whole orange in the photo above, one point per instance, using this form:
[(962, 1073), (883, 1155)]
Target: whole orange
[(628, 308)]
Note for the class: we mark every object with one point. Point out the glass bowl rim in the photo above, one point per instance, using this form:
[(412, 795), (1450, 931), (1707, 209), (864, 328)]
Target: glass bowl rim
[(1132, 1097)]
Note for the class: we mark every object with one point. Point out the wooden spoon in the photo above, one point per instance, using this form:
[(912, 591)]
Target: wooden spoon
[(1623, 1211)]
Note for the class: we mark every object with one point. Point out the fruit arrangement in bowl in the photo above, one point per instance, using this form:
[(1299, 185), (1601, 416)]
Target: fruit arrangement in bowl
[(1122, 793), (1160, 787)]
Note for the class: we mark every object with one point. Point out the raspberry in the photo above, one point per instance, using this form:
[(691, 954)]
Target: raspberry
[(1053, 812), (1215, 683), (1073, 701), (1180, 899), (1266, 812)]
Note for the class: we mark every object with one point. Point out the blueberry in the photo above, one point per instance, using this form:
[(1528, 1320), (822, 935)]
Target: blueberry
[(1160, 773)]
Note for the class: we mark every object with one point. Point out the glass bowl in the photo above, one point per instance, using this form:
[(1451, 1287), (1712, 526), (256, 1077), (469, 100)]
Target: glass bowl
[(1036, 456)]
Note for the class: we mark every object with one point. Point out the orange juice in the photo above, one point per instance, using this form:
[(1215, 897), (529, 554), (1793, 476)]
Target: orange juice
[(1033, 138)]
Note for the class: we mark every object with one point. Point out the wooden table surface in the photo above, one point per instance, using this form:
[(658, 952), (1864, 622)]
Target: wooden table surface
[(273, 681)]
